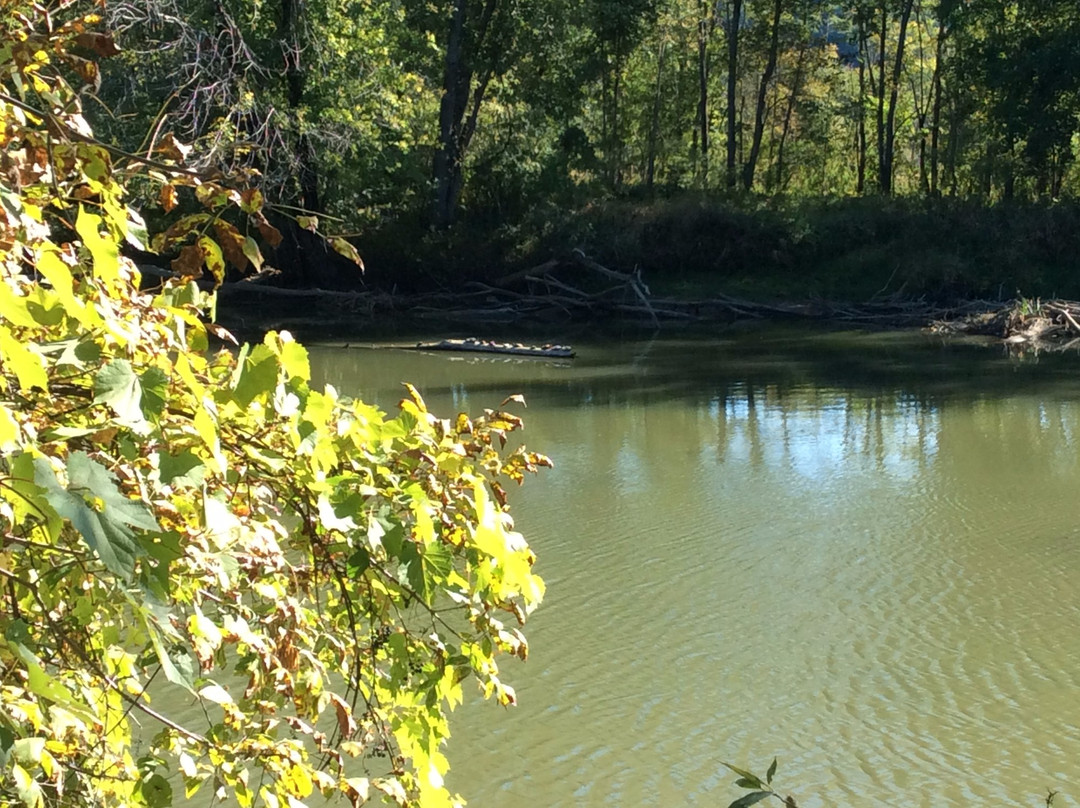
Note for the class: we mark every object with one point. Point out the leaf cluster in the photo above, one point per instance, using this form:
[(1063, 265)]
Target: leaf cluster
[(318, 576)]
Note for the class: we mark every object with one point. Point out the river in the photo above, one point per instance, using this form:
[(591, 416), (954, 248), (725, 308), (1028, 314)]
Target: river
[(857, 552)]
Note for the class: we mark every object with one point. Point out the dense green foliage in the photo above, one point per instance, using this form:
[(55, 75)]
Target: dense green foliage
[(317, 580), (366, 108), (508, 118)]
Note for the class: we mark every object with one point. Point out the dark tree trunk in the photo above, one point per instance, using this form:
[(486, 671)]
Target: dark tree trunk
[(935, 114), (763, 89), (447, 167), (890, 123), (459, 107), (880, 93), (295, 80), (860, 121), (703, 93), (733, 70)]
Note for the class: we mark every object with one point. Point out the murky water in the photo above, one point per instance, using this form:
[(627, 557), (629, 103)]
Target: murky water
[(857, 552)]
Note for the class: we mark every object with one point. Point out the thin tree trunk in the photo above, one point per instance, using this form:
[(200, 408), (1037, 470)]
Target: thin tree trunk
[(881, 95), (890, 123), (616, 137), (860, 121), (732, 67), (759, 112), (795, 87), (935, 114), (654, 128), (703, 93)]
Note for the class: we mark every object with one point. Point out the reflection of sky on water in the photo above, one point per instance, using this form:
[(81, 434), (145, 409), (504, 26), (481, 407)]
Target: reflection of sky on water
[(825, 441)]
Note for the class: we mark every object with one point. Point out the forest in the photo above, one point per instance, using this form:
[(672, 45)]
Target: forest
[(730, 138)]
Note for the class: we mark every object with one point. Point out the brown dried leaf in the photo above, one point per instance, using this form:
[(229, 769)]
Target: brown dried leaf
[(232, 245), (251, 200), (167, 197), (173, 148), (101, 44), (189, 264), (346, 723), (270, 234)]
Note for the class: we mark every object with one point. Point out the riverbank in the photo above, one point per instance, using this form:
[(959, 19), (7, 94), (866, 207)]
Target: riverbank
[(690, 259), (697, 246)]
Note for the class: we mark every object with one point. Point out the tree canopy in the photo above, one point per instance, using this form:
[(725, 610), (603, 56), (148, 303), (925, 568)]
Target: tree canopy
[(364, 110)]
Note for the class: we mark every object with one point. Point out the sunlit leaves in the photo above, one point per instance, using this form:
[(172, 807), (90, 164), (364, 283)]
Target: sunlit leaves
[(322, 576), (23, 361), (117, 385)]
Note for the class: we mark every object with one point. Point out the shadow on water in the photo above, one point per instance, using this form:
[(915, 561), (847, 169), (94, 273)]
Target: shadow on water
[(699, 367)]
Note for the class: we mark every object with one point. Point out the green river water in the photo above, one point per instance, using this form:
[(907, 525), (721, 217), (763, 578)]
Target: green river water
[(857, 552)]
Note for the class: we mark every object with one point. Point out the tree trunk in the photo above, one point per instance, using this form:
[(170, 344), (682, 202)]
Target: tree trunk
[(703, 92), (880, 92), (295, 80), (792, 98), (732, 67), (759, 113), (860, 121), (935, 114), (616, 136), (447, 167), (890, 123), (654, 128)]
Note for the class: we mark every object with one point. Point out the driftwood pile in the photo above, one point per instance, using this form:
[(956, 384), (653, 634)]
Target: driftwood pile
[(1054, 323)]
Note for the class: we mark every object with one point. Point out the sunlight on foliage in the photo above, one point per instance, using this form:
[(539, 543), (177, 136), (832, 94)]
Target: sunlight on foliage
[(319, 578)]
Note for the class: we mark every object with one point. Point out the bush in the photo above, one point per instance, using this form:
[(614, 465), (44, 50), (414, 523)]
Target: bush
[(322, 578)]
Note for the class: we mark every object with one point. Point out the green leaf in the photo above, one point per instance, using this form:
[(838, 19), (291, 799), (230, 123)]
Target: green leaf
[(772, 770), (98, 510), (294, 359), (41, 684), (155, 392), (117, 386), (13, 308), (358, 563), (253, 253), (750, 799), (748, 775), (426, 567), (183, 470), (258, 377), (176, 666), (28, 750), (156, 791)]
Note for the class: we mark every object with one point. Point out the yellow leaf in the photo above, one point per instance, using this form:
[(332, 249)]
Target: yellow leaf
[(105, 252), (24, 361)]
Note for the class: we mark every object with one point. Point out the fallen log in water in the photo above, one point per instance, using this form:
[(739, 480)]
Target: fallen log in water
[(489, 346)]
